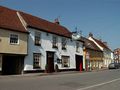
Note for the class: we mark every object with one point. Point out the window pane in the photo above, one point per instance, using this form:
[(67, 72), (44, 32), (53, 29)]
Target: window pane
[(77, 47), (13, 39), (64, 42), (65, 61), (55, 41), (36, 62), (37, 38)]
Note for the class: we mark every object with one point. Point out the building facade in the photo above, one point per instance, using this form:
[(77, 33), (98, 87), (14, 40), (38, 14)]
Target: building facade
[(13, 51), (13, 42), (53, 50), (51, 47), (30, 44), (117, 55), (107, 52), (93, 55)]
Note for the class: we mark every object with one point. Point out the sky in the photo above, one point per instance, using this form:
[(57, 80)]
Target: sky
[(100, 17)]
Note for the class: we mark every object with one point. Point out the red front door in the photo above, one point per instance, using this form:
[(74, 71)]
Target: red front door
[(79, 63), (81, 66)]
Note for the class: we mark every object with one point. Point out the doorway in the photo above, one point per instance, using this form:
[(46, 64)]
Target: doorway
[(50, 62), (12, 65), (79, 62)]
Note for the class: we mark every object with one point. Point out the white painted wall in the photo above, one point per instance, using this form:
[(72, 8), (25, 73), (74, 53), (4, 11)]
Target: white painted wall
[(107, 57), (46, 45)]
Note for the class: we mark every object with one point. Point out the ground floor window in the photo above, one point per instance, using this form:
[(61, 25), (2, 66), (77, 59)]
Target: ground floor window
[(36, 60), (65, 61)]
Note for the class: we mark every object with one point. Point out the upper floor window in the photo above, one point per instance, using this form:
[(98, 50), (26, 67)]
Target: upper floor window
[(64, 43), (36, 60), (55, 42), (77, 47), (37, 38), (14, 39)]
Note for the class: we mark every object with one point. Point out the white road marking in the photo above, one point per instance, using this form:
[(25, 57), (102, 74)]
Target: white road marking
[(96, 85)]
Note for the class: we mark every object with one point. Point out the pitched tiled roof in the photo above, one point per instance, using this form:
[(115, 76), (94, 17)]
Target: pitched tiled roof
[(90, 44), (10, 20), (102, 44), (44, 25)]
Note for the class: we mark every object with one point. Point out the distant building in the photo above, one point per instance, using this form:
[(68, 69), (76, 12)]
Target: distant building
[(117, 55), (93, 55), (107, 52)]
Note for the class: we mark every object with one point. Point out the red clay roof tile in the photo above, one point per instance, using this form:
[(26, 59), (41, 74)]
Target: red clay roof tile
[(90, 44), (102, 44), (10, 20), (44, 25)]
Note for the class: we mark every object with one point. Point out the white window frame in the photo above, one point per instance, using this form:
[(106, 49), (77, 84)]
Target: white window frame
[(10, 36), (63, 63), (38, 35), (55, 41), (39, 61), (64, 43)]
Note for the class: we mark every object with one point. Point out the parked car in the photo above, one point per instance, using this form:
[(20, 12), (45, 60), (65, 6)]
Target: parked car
[(114, 66)]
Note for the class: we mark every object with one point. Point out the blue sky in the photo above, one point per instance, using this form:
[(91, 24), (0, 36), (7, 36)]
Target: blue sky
[(101, 17)]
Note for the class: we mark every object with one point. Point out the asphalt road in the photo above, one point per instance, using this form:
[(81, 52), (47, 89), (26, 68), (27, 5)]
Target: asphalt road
[(101, 80)]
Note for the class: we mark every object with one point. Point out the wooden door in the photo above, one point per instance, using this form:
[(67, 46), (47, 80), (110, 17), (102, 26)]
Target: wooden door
[(50, 62), (79, 63)]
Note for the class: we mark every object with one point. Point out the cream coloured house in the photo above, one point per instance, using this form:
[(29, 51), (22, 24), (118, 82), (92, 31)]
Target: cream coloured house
[(13, 42), (107, 52)]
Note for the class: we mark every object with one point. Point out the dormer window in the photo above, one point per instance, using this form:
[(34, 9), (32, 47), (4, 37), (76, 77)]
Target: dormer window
[(14, 39), (55, 42), (64, 42), (37, 38)]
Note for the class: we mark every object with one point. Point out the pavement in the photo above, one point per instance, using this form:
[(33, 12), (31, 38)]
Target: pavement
[(45, 74), (39, 74), (54, 73)]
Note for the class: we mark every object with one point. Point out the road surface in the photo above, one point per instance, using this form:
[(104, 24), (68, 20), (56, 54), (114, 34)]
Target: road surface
[(101, 80)]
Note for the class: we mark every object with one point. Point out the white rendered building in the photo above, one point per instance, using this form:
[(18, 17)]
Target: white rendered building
[(50, 46)]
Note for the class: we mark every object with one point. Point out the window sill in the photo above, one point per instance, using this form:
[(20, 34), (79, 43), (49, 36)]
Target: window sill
[(14, 43)]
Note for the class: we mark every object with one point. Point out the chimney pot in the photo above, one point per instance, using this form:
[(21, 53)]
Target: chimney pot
[(90, 34), (56, 21)]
